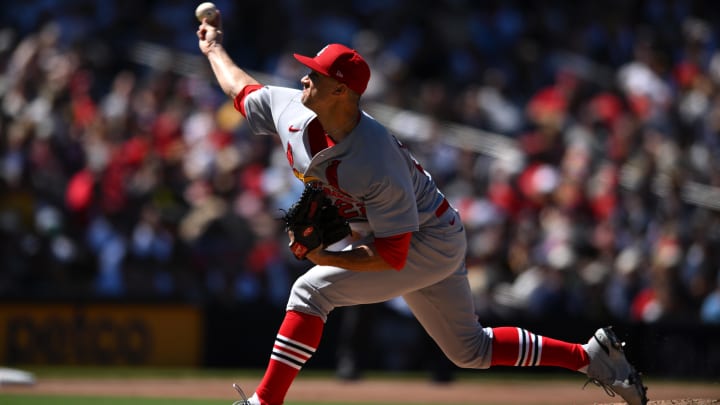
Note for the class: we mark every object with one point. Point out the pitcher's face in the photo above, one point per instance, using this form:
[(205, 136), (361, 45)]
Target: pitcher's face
[(317, 90)]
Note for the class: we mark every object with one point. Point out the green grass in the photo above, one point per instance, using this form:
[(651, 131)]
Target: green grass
[(12, 399), (85, 400)]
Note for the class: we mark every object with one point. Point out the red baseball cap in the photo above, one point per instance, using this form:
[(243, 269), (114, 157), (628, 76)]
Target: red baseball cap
[(342, 64)]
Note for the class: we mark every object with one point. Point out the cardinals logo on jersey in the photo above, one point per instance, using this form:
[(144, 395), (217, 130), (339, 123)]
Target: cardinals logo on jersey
[(289, 155), (347, 206), (291, 160)]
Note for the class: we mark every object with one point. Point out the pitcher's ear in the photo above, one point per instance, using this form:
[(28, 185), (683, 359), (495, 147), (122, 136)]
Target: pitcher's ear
[(340, 88)]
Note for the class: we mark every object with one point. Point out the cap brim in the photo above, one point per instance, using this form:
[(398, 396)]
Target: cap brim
[(310, 62)]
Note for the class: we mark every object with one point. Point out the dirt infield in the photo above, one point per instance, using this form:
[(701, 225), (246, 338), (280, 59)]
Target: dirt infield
[(480, 391)]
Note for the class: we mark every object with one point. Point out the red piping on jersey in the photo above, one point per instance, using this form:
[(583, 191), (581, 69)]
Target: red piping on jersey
[(394, 249), (331, 173), (239, 101), (317, 137)]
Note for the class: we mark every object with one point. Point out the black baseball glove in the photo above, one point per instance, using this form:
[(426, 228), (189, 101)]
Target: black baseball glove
[(314, 221)]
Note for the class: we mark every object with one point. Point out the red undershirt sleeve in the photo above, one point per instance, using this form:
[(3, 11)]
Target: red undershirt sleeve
[(394, 249), (239, 101)]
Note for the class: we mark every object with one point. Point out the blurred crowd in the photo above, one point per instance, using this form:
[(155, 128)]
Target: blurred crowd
[(123, 179)]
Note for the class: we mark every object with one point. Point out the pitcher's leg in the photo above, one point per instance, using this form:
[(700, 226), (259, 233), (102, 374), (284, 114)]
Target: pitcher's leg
[(446, 311), (514, 346), (295, 343), (314, 295), (323, 288)]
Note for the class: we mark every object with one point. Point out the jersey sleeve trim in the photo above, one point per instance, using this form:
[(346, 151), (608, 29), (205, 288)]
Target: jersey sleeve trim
[(394, 249), (239, 101)]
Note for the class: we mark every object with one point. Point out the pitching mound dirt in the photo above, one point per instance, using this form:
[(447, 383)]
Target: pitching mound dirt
[(688, 402), (481, 391), (699, 401)]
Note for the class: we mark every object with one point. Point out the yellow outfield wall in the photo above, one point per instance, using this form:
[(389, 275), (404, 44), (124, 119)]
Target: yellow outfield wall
[(113, 334)]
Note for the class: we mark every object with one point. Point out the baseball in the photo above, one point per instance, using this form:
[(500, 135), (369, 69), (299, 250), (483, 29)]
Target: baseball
[(206, 10)]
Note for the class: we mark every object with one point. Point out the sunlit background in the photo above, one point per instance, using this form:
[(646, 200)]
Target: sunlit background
[(580, 142)]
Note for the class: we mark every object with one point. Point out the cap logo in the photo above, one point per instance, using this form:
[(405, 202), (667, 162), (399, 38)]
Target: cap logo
[(339, 74)]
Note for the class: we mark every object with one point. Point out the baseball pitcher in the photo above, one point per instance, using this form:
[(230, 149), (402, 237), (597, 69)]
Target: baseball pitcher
[(404, 238)]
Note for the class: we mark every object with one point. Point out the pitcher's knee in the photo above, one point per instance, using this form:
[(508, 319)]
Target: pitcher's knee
[(475, 353), (304, 297), (471, 362)]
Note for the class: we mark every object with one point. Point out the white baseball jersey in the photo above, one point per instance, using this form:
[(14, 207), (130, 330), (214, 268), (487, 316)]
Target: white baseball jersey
[(369, 175), (375, 182)]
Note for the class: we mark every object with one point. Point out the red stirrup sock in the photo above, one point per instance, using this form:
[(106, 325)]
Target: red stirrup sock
[(517, 347), (295, 343)]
